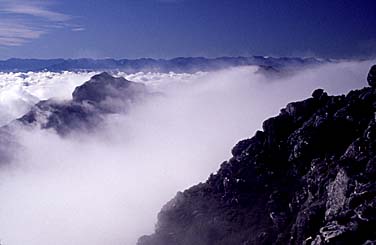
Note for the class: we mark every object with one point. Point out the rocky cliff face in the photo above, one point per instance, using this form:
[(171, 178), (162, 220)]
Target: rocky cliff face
[(307, 178)]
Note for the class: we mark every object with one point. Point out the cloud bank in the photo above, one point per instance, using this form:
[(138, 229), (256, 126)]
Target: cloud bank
[(20, 91), (107, 187)]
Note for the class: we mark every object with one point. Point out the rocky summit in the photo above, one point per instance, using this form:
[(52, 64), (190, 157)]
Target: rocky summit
[(307, 178), (102, 94)]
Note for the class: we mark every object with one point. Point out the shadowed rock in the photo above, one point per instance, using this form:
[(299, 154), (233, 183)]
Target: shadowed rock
[(307, 178), (371, 78), (108, 93), (102, 94)]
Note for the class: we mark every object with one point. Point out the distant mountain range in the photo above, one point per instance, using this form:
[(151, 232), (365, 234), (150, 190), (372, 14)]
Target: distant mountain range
[(182, 64)]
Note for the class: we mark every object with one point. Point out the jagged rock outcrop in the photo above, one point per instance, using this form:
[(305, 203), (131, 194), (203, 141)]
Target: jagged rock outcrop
[(371, 78), (307, 178), (102, 94)]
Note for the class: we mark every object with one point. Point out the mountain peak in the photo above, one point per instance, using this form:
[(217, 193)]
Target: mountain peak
[(102, 86), (102, 76), (102, 94)]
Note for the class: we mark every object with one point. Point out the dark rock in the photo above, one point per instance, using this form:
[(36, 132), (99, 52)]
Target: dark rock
[(107, 92), (319, 93), (334, 232), (102, 94), (307, 178), (62, 116), (371, 78)]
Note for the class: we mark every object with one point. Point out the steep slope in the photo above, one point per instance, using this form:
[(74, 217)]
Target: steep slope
[(307, 178)]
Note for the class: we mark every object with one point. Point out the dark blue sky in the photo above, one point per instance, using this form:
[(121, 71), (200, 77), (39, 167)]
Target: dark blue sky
[(171, 28)]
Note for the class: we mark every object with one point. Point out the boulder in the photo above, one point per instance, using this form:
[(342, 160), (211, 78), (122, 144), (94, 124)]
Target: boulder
[(371, 78)]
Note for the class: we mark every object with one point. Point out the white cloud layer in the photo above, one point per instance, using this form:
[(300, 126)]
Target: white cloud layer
[(107, 187), (19, 91)]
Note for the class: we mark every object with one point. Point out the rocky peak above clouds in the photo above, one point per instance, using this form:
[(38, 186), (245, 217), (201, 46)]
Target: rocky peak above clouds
[(102, 94)]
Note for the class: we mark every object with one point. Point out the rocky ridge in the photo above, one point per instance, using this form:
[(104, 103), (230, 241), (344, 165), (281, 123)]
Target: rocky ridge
[(307, 178), (91, 102), (102, 94)]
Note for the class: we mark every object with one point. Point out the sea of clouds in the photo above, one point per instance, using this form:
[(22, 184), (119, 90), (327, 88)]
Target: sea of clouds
[(107, 187)]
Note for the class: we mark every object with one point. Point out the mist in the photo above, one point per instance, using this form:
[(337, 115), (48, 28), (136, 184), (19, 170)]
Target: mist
[(19, 91), (107, 187)]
